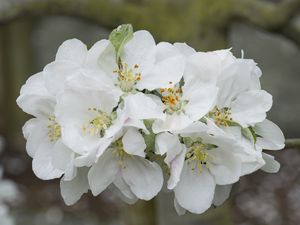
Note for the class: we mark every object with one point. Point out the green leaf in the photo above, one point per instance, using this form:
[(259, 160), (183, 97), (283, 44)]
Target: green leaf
[(119, 37)]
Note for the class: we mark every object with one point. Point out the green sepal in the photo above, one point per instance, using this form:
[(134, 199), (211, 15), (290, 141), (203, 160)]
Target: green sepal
[(250, 134), (119, 37)]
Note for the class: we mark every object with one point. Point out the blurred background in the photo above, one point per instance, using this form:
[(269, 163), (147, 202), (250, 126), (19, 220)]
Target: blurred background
[(267, 30)]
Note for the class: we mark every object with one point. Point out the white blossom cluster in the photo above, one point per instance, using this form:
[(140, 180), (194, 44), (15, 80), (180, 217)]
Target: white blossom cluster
[(129, 113), (8, 193)]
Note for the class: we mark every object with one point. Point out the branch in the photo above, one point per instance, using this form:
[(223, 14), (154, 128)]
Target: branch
[(292, 143)]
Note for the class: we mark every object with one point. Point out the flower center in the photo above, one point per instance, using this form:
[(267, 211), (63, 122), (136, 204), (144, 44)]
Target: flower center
[(127, 77), (119, 152), (222, 117), (172, 98), (198, 154), (97, 126), (54, 132)]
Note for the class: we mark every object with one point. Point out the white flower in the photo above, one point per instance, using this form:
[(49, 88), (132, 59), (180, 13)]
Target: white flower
[(143, 65), (186, 104), (240, 98), (5, 217), (198, 162), (51, 158), (88, 120), (125, 166), (8, 193), (69, 61)]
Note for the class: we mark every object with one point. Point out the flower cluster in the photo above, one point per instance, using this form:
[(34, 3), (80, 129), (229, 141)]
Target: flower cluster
[(8, 193), (128, 113)]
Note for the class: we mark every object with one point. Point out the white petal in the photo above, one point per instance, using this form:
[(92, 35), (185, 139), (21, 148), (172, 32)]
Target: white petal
[(225, 167), (173, 123), (125, 190), (194, 128), (35, 99), (201, 98), (139, 50), (35, 131), (176, 166), (103, 173), (235, 79), (251, 107), (107, 60), (195, 191), (42, 162), (165, 142), (72, 50), (167, 71), (271, 166), (72, 190), (207, 66), (57, 73), (94, 53), (180, 211), (222, 193), (35, 85), (271, 137), (144, 178), (62, 156), (38, 106), (170, 144), (141, 106), (184, 49), (86, 159), (134, 143), (93, 80)]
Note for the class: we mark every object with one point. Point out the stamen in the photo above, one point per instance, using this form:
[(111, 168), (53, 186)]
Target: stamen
[(127, 77), (172, 98), (222, 117), (54, 132), (199, 153), (99, 124), (120, 153)]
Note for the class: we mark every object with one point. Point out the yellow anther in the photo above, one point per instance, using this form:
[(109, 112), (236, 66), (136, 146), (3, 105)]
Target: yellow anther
[(222, 117), (172, 98), (54, 132), (199, 154), (127, 77), (99, 124), (120, 153)]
